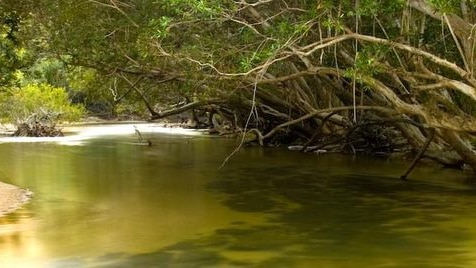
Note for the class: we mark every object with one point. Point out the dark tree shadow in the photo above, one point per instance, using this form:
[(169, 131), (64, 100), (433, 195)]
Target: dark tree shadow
[(325, 221)]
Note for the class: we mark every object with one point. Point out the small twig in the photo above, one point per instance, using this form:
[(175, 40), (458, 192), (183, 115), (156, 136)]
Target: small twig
[(139, 135)]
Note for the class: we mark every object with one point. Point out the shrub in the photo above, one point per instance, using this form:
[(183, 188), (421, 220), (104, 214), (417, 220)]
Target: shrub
[(19, 105)]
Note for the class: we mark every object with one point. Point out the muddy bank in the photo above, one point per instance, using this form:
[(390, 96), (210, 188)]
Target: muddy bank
[(12, 197)]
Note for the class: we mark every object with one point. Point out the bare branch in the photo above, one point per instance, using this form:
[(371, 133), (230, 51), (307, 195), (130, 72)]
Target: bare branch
[(429, 56), (115, 5), (324, 112), (185, 107)]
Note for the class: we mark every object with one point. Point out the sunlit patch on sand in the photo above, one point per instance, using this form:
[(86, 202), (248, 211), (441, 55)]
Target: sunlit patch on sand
[(78, 135)]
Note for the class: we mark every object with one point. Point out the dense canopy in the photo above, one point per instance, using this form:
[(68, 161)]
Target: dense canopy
[(355, 76)]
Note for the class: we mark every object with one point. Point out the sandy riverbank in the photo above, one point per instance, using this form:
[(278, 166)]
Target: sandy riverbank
[(12, 197)]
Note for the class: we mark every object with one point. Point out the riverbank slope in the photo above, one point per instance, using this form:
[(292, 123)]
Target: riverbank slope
[(12, 197)]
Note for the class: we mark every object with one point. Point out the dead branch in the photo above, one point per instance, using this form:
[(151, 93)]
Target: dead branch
[(186, 107), (323, 112), (419, 155)]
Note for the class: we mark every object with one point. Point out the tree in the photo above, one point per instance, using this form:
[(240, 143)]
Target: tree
[(372, 76), (12, 53)]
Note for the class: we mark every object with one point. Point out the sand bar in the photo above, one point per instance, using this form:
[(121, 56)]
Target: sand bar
[(12, 197)]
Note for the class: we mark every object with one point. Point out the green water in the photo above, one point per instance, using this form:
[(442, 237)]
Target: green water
[(110, 203)]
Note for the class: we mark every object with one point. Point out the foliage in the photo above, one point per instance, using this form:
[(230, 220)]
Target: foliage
[(447, 6), (19, 104), (268, 62), (46, 70), (11, 53)]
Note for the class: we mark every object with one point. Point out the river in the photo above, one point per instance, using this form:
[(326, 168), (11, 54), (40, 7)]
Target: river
[(105, 200)]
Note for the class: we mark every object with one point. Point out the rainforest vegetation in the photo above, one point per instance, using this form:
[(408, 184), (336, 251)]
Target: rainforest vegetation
[(360, 76)]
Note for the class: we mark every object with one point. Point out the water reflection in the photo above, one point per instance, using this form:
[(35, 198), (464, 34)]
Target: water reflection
[(113, 204), (376, 222)]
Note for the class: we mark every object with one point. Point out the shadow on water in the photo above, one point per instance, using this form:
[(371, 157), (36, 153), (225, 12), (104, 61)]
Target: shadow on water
[(328, 221), (113, 204)]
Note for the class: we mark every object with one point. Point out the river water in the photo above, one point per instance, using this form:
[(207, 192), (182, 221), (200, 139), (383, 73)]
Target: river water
[(108, 201)]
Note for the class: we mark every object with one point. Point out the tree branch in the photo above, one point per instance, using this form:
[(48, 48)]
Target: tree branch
[(185, 107), (325, 113)]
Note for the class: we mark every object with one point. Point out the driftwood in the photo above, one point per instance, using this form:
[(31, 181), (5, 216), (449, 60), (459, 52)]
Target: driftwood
[(37, 130), (39, 125)]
